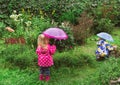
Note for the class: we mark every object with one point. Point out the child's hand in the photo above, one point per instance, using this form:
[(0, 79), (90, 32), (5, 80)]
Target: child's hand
[(103, 54), (53, 46), (52, 49)]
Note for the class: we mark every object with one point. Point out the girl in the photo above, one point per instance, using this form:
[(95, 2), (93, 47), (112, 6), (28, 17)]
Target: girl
[(103, 49), (45, 60)]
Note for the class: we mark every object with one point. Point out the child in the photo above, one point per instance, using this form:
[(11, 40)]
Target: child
[(45, 60), (103, 49)]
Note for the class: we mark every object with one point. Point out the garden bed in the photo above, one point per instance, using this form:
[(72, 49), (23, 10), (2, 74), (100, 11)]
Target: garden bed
[(20, 40)]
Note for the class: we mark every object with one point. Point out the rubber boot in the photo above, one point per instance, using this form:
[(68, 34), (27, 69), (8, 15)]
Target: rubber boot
[(41, 77), (47, 78)]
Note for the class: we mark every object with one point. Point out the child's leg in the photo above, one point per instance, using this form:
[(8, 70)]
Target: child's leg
[(97, 56), (42, 70), (41, 77), (47, 72)]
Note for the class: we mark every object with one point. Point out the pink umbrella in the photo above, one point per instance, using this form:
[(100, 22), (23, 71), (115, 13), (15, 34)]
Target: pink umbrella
[(55, 33)]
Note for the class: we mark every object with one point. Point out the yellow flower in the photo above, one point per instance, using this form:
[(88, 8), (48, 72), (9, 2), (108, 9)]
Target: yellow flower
[(23, 10), (28, 11), (53, 12), (42, 17), (41, 12)]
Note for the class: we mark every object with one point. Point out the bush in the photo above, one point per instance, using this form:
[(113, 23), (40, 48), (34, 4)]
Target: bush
[(27, 26), (105, 15), (19, 55), (104, 25), (68, 16), (82, 29), (53, 10), (2, 28), (69, 42), (22, 56), (37, 27), (72, 58)]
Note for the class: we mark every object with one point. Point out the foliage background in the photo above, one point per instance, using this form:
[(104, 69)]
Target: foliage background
[(74, 59)]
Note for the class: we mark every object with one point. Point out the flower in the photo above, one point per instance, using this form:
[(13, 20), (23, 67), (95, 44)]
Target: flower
[(14, 16), (53, 12), (14, 11), (28, 23), (19, 15)]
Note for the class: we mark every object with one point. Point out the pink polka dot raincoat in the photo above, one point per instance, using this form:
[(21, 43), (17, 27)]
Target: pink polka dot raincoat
[(45, 58)]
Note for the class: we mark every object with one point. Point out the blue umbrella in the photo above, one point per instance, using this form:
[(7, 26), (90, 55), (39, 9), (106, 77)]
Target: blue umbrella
[(105, 36)]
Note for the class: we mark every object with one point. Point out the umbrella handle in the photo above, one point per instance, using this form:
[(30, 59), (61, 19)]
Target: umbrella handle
[(54, 42)]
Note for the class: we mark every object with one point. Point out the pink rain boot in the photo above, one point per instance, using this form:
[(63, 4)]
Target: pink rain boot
[(41, 77), (47, 78)]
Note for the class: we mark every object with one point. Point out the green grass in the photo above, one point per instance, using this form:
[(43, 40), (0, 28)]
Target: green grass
[(59, 76), (73, 67)]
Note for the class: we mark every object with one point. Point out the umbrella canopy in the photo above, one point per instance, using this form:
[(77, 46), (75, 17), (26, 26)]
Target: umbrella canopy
[(55, 33), (105, 36)]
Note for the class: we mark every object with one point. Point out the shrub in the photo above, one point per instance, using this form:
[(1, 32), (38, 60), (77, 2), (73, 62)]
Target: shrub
[(68, 16), (19, 55), (72, 58), (22, 56), (68, 43), (53, 10), (37, 27), (82, 30), (104, 25), (2, 27), (105, 15), (27, 26)]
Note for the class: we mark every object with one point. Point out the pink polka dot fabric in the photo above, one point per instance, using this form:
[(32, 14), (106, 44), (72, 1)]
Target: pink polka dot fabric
[(45, 58)]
